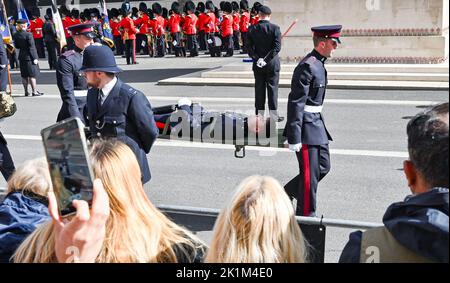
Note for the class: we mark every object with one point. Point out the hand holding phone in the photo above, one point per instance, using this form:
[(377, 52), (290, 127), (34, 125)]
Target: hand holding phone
[(80, 239), (70, 168)]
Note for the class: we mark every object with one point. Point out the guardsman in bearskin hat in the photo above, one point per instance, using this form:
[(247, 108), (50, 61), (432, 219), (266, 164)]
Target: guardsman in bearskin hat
[(160, 30), (114, 24), (175, 30), (244, 24), (128, 34), (236, 20), (210, 29), (36, 24), (75, 15), (141, 24), (255, 13), (190, 28), (201, 25), (226, 27)]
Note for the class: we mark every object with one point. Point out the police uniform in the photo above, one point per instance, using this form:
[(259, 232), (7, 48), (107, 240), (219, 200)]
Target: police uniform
[(125, 113), (305, 125), (264, 42), (72, 86), (3, 65)]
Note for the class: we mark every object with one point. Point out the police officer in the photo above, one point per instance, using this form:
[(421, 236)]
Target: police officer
[(115, 109), (72, 86), (305, 129), (263, 46)]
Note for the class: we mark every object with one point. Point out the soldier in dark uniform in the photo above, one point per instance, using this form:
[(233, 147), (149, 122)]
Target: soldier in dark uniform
[(72, 86), (50, 40), (305, 129), (6, 162), (263, 46), (115, 109), (28, 57)]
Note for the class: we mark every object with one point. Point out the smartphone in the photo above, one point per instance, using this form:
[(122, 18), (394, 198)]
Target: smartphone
[(69, 164)]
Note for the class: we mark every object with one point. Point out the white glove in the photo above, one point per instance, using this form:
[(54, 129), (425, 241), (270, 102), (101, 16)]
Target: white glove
[(261, 63), (175, 43), (210, 41), (184, 101), (295, 147), (2, 66), (35, 61)]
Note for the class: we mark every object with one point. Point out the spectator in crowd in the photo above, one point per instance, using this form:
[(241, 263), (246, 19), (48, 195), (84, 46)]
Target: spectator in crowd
[(25, 206), (416, 229), (135, 230), (258, 226)]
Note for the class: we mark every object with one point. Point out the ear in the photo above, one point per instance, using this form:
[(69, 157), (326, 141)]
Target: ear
[(410, 173)]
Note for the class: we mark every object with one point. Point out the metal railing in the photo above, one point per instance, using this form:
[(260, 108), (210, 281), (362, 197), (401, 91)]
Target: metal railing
[(198, 219)]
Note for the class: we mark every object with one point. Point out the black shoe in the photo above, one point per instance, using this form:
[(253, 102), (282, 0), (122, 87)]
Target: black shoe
[(27, 94), (38, 94)]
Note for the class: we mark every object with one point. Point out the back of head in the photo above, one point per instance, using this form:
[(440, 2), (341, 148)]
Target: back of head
[(258, 226), (32, 176), (428, 145)]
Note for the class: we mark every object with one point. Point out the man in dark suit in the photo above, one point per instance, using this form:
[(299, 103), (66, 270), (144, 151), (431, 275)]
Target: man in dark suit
[(115, 109), (28, 57), (305, 129), (263, 46)]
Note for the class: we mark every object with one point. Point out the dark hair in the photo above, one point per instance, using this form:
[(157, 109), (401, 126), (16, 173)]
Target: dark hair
[(428, 144), (317, 40)]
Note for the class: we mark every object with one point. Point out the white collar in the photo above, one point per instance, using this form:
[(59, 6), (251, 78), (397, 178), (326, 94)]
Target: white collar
[(109, 86)]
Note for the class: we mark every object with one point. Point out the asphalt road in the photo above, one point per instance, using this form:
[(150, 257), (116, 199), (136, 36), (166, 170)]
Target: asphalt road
[(369, 147)]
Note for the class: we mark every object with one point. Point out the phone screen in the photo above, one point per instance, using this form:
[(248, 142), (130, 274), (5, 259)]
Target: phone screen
[(70, 169)]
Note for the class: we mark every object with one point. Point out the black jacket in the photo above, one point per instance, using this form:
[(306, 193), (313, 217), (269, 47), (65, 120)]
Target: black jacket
[(127, 115), (49, 31), (69, 79), (264, 41), (3, 54), (24, 41), (420, 223), (308, 87)]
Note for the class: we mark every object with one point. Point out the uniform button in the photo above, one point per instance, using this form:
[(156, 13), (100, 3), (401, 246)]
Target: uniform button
[(99, 135), (114, 122), (98, 122)]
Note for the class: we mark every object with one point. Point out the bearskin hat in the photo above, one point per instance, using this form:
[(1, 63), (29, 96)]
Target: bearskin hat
[(201, 7), (176, 7), (157, 9), (143, 7), (244, 5), (75, 13), (227, 7), (190, 6), (210, 6)]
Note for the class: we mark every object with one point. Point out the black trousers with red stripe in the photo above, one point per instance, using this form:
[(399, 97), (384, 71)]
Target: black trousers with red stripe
[(314, 164)]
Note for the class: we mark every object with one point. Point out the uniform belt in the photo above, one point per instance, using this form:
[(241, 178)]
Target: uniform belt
[(313, 109), (80, 93)]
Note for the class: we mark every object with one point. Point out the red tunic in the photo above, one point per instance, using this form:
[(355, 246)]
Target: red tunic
[(254, 20), (160, 26), (189, 25), (245, 22), (227, 25), (202, 21), (114, 27), (175, 23), (129, 30), (236, 20), (36, 27), (143, 23)]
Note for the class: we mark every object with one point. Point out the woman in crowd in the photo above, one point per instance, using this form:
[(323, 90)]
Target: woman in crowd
[(25, 206), (136, 231), (258, 226)]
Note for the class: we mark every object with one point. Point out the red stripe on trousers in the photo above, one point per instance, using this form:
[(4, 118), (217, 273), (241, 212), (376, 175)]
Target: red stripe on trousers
[(306, 180), (134, 51)]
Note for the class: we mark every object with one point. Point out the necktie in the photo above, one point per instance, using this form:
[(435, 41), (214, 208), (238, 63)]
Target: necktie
[(101, 97)]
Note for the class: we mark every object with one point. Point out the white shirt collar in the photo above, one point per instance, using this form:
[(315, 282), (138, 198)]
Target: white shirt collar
[(108, 87)]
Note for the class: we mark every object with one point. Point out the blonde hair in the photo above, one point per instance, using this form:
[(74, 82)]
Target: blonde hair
[(136, 230), (32, 176), (257, 226)]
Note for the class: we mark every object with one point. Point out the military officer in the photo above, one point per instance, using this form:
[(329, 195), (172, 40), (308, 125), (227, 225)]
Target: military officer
[(115, 109), (72, 86), (305, 129), (263, 46)]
